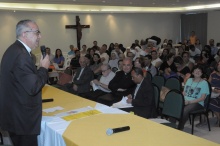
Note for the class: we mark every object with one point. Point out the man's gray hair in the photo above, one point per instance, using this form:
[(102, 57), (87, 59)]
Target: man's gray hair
[(22, 26)]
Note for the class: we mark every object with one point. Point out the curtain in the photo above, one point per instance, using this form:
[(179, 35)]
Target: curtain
[(194, 22)]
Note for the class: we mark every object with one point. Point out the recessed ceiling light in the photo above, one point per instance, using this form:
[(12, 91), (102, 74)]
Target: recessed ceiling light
[(130, 3), (177, 1), (153, 3), (103, 1)]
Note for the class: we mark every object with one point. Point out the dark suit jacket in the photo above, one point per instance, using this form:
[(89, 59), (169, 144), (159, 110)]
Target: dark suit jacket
[(20, 91), (123, 81), (144, 103), (84, 82)]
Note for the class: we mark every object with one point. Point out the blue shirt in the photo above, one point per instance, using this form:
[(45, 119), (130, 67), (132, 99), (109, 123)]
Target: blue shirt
[(194, 90)]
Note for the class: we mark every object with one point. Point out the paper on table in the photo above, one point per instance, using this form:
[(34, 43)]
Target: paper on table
[(108, 110), (122, 104), (53, 109), (78, 113)]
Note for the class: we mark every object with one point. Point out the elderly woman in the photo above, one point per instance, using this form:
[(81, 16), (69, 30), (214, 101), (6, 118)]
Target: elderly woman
[(214, 80), (195, 91)]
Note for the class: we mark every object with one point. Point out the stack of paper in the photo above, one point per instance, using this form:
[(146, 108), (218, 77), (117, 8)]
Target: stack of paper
[(122, 104)]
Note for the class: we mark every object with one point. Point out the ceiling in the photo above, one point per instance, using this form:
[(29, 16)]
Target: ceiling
[(106, 6)]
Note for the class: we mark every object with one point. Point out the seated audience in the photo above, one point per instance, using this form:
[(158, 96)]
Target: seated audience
[(103, 55), (83, 52), (187, 60), (214, 80), (71, 53), (140, 63), (182, 69), (167, 68), (81, 80), (74, 63), (102, 84), (121, 85), (143, 104), (96, 65), (113, 62), (59, 59), (156, 61), (149, 66), (51, 56), (195, 91)]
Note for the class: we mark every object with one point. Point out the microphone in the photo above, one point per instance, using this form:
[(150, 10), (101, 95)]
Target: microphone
[(117, 130), (43, 51), (47, 100)]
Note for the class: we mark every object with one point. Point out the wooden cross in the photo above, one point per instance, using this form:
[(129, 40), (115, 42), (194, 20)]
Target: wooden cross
[(78, 28)]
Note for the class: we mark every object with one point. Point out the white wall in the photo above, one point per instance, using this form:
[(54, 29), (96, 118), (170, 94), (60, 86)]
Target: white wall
[(105, 28), (213, 30)]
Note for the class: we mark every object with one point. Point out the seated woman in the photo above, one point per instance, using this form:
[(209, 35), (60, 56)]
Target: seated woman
[(214, 80), (167, 68), (96, 65), (59, 59), (195, 92)]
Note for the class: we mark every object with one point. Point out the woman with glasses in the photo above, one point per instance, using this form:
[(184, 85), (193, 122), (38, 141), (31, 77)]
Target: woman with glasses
[(195, 91)]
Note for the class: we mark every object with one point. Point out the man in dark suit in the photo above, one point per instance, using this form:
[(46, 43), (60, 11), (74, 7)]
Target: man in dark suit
[(121, 85), (142, 98), (81, 80), (20, 86)]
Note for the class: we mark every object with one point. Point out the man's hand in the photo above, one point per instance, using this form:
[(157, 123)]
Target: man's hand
[(45, 62)]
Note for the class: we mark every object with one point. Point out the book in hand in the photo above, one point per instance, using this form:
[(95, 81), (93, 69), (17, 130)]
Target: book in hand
[(122, 104)]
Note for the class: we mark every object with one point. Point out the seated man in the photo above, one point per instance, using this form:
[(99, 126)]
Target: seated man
[(142, 99), (149, 67), (81, 80), (121, 85), (102, 84)]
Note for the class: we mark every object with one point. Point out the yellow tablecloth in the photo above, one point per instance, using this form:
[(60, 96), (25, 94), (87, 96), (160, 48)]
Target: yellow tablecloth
[(91, 131)]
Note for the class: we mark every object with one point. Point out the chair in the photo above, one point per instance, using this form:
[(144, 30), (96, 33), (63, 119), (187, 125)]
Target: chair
[(173, 83), (159, 81), (204, 111), (149, 76), (156, 96), (173, 107)]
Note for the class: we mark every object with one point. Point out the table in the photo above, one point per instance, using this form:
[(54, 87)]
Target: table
[(91, 131)]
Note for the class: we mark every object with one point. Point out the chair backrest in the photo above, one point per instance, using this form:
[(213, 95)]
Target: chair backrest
[(159, 81), (173, 104), (149, 76), (173, 83), (208, 97), (156, 95)]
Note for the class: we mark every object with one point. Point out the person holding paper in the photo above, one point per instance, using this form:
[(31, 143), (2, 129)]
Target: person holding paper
[(142, 99), (21, 85), (100, 87), (121, 85)]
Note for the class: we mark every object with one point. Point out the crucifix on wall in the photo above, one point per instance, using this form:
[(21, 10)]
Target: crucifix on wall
[(78, 28)]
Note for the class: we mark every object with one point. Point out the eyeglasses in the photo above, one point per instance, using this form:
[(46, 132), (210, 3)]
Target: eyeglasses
[(37, 32)]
